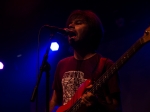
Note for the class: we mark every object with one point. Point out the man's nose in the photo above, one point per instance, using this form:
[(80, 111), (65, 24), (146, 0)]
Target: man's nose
[(71, 25)]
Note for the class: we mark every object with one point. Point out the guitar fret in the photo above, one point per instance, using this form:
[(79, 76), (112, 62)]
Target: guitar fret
[(121, 61), (106, 73), (103, 79), (141, 41), (112, 71), (93, 89), (133, 49), (127, 55)]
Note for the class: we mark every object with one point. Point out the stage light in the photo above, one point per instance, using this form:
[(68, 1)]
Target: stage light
[(1, 65), (54, 46)]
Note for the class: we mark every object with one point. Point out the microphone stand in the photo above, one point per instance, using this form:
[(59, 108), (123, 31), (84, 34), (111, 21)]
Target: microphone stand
[(45, 67)]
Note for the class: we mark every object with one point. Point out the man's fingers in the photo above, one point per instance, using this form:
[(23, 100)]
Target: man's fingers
[(89, 86), (84, 101)]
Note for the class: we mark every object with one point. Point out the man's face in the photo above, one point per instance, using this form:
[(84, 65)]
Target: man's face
[(80, 27)]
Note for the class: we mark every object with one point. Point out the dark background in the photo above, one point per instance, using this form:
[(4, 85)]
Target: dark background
[(20, 21)]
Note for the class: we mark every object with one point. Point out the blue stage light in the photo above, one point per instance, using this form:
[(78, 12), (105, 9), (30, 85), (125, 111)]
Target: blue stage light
[(54, 46), (1, 65)]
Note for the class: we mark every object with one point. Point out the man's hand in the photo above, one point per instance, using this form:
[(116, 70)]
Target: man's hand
[(88, 98)]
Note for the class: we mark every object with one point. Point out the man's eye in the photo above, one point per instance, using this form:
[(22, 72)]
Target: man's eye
[(79, 22)]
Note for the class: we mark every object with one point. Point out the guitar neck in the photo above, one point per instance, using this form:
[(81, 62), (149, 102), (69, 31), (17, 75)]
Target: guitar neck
[(116, 66)]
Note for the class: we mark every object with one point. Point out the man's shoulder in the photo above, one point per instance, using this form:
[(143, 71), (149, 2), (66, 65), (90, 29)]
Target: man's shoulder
[(64, 60), (107, 61)]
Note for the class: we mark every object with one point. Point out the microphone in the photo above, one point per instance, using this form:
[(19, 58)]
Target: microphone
[(64, 31)]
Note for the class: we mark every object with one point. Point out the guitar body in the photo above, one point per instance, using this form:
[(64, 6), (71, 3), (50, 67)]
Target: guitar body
[(76, 96)]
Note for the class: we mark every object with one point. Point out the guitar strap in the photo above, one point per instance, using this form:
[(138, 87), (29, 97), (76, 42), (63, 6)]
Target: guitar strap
[(100, 68)]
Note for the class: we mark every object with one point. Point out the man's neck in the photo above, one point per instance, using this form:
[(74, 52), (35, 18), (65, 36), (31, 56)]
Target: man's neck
[(82, 55)]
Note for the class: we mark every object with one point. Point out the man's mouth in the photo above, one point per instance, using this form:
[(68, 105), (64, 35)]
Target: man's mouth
[(72, 35)]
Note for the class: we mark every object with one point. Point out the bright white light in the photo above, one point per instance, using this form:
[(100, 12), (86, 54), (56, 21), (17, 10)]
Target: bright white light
[(54, 46), (1, 65)]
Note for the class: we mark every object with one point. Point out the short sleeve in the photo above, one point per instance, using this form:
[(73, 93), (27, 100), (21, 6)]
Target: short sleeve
[(57, 84)]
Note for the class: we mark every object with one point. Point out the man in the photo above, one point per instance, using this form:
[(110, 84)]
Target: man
[(72, 71)]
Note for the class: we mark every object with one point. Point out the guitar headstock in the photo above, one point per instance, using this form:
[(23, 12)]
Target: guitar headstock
[(146, 36)]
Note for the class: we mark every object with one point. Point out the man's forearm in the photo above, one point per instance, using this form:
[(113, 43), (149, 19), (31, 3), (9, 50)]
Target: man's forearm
[(51, 106), (53, 101)]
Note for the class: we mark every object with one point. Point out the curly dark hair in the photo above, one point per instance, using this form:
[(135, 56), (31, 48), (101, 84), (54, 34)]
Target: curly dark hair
[(94, 24)]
